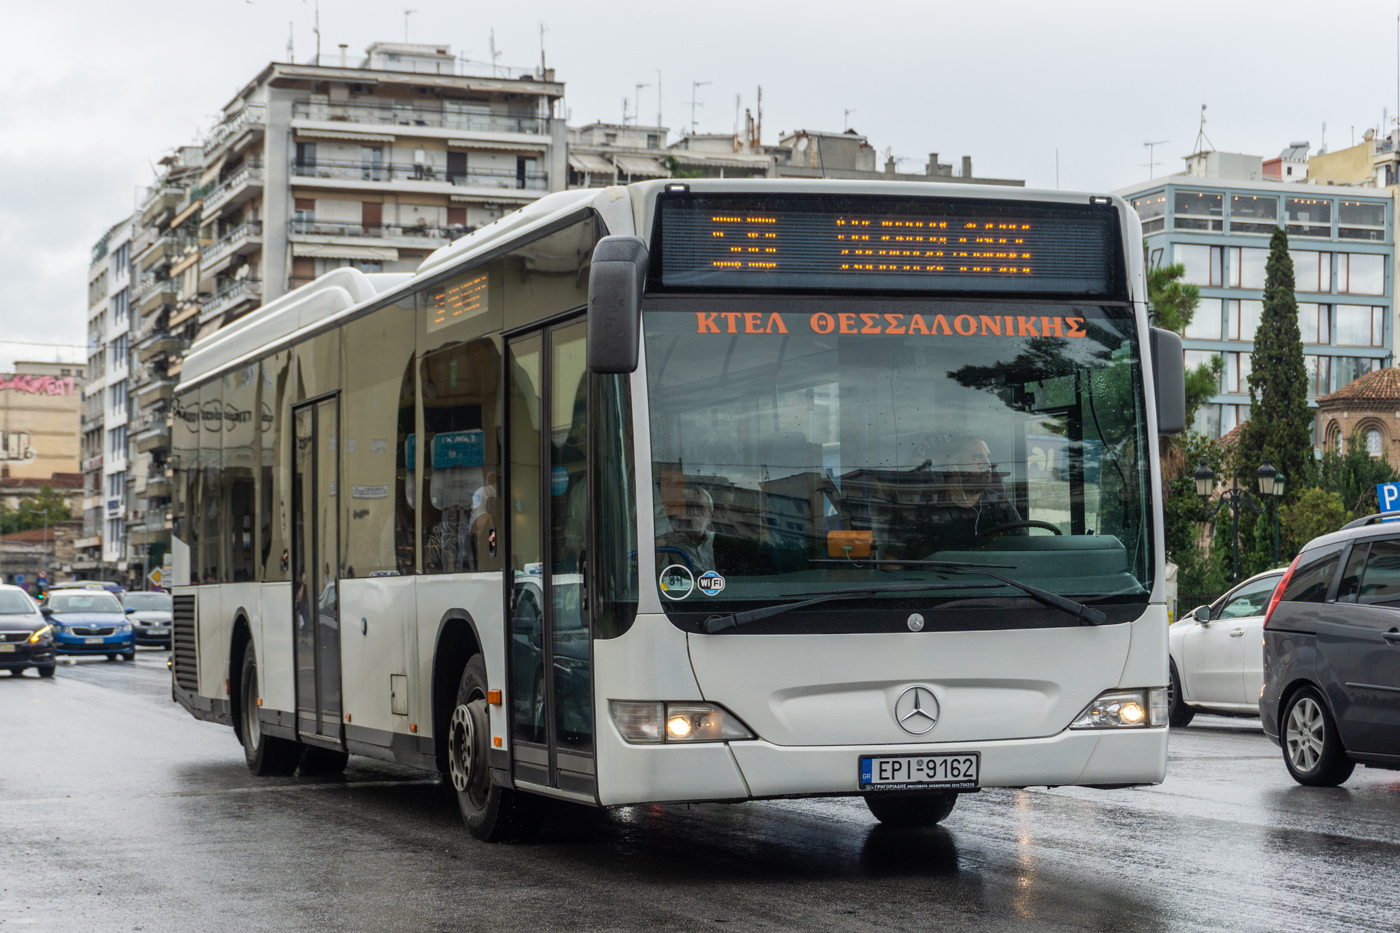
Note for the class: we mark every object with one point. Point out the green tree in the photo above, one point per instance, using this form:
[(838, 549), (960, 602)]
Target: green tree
[(48, 507), (1353, 476), (1314, 512), (1280, 426), (1171, 304)]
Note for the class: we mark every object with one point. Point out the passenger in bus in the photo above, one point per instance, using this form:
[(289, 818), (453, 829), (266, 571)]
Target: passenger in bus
[(684, 530)]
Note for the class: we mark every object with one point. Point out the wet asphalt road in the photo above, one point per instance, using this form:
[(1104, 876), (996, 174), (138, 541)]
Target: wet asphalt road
[(120, 812)]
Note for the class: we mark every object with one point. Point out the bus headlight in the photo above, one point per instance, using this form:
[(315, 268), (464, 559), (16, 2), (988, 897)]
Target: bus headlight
[(1124, 709), (644, 722)]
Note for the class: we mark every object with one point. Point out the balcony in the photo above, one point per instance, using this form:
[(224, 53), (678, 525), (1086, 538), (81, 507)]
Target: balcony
[(159, 200), (230, 297), (420, 236), (157, 345), (156, 390), (250, 118), (406, 113), (152, 293), (391, 172), (235, 189), (245, 238), (149, 250)]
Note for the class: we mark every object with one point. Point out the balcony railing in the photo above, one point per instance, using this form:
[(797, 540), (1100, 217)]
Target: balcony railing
[(409, 114), (152, 284), (231, 295), (250, 115), (391, 172), (376, 231), (229, 241), (250, 172)]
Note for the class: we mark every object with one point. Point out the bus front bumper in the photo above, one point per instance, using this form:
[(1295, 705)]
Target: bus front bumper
[(758, 769)]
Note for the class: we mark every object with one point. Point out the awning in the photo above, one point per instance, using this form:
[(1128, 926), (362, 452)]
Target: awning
[(186, 213), (205, 329), (337, 251), (211, 174), (184, 263), (640, 165), (589, 163), (183, 315), (497, 145), (342, 134)]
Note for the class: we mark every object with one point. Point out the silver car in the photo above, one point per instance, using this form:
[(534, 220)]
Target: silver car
[(150, 617)]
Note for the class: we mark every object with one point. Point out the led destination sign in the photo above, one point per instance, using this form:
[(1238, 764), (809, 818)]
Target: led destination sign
[(456, 300), (932, 244)]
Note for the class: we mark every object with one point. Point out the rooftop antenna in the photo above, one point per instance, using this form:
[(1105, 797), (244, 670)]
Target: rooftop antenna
[(1201, 135), (291, 55), (624, 111), (543, 30), (1151, 154), (1322, 147), (737, 104), (637, 110), (659, 124), (316, 28), (695, 86), (406, 15), (758, 126), (846, 118), (495, 53)]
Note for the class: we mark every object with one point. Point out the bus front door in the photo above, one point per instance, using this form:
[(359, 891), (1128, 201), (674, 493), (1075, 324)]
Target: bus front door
[(315, 571), (551, 682)]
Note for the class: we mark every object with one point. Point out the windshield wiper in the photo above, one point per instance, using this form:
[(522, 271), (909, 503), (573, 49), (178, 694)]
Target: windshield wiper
[(719, 623), (1085, 614)]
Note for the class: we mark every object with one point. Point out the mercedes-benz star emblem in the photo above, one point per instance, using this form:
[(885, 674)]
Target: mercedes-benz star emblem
[(916, 710)]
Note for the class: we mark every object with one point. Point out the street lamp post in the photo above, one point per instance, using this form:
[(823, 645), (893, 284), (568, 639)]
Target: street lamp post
[(1271, 482), (1237, 498)]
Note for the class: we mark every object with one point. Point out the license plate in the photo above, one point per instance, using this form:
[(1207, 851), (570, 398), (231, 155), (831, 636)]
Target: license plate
[(911, 771), (96, 640), (7, 649)]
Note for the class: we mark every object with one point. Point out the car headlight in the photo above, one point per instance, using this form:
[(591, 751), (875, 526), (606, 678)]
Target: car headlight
[(124, 628), (41, 634), (1124, 709), (646, 722)]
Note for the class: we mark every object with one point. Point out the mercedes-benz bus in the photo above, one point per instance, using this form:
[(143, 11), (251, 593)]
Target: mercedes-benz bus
[(701, 490)]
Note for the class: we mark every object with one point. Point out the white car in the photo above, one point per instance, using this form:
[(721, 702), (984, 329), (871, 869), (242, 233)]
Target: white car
[(1217, 652), (150, 615)]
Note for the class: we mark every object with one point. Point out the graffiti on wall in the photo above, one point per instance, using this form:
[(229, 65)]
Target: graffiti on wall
[(15, 447), (36, 385)]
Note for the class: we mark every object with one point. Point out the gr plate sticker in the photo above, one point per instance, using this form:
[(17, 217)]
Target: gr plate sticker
[(711, 583), (677, 582)]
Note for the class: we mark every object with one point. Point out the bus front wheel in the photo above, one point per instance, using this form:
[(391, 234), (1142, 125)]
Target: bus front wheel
[(492, 813), (903, 810)]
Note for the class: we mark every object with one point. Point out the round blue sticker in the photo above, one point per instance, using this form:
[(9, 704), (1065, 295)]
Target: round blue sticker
[(710, 583)]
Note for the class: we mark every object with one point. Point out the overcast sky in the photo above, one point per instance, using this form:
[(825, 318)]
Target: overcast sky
[(94, 92)]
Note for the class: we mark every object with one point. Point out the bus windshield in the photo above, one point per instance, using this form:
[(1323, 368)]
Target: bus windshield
[(804, 445)]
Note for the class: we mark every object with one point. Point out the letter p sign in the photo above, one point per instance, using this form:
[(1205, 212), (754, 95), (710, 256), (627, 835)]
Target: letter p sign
[(1388, 495)]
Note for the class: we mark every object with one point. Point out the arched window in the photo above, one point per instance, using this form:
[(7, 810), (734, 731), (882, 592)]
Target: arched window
[(1373, 442)]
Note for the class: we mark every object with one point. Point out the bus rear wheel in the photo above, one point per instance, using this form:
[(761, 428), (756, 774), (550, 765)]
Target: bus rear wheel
[(910, 810), (492, 813), (266, 754)]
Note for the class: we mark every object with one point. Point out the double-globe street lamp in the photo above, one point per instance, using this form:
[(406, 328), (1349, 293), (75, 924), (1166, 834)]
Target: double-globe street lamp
[(1271, 481)]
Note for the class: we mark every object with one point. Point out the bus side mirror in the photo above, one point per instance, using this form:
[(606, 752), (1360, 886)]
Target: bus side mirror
[(615, 281), (1169, 376)]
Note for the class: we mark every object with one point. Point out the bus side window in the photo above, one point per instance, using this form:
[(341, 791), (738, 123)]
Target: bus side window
[(275, 489), (212, 495)]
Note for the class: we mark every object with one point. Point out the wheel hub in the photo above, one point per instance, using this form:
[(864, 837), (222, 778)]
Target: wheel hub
[(461, 740), (1305, 734)]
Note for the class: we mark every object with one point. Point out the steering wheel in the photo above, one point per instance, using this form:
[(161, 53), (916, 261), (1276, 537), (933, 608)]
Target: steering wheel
[(1030, 523), (685, 558)]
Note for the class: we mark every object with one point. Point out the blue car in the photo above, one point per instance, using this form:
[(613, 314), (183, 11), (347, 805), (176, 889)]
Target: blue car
[(90, 622)]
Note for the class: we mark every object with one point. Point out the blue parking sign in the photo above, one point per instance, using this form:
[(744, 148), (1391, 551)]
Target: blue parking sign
[(1388, 495)]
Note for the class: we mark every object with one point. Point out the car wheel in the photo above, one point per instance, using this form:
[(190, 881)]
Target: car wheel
[(1312, 750), (1178, 713), (910, 810), (492, 813), (111, 657), (16, 672), (321, 761), (47, 671), (266, 755), (130, 655)]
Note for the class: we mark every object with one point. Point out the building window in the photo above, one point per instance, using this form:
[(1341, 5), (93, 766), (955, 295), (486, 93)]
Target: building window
[(1319, 369), (1373, 442), (121, 305), (1242, 318), (1208, 420), (1236, 373), (1308, 216), (1253, 213), (1152, 209), (1314, 322), (1247, 265), (306, 159), (1232, 416), (609, 139), (1196, 210), (1206, 322), (1361, 220), (1196, 358), (1312, 271), (1361, 274), (1346, 369), (653, 140), (121, 258), (1203, 263), (1360, 326), (304, 215)]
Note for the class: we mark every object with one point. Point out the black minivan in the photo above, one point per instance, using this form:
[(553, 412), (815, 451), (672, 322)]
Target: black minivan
[(1331, 696)]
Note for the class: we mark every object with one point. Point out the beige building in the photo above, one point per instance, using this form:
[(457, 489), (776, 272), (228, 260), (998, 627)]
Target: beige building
[(1368, 409), (40, 419)]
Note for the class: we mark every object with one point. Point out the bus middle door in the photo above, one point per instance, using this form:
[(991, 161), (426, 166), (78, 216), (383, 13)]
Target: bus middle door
[(550, 649)]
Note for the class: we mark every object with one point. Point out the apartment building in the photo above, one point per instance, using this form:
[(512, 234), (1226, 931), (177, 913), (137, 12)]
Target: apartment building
[(41, 408), (318, 166), (1342, 242), (106, 402)]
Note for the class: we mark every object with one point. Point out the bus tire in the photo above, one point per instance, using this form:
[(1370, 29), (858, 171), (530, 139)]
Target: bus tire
[(266, 755), (321, 761), (910, 810), (492, 813)]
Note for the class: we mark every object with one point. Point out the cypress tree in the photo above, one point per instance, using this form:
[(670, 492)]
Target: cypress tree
[(1280, 427)]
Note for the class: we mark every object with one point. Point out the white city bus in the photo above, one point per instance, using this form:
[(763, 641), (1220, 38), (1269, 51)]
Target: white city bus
[(694, 491)]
